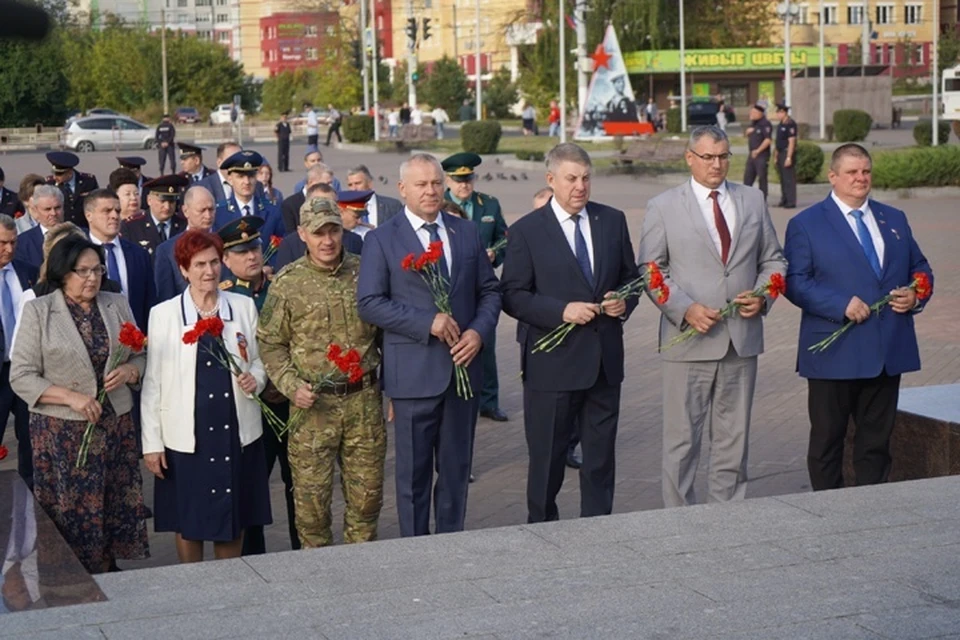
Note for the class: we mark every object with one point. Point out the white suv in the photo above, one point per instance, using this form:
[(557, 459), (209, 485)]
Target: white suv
[(220, 114), (108, 132)]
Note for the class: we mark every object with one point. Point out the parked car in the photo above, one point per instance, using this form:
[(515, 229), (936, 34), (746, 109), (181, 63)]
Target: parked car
[(704, 112), (187, 115), (221, 114), (108, 132)]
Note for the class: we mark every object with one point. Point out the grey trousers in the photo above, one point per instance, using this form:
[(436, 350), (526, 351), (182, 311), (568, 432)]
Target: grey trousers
[(715, 397)]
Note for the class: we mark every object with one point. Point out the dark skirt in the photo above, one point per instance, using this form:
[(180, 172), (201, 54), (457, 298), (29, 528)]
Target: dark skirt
[(222, 488)]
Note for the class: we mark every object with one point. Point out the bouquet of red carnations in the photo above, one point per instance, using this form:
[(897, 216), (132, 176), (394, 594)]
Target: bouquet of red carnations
[(271, 249), (348, 370)]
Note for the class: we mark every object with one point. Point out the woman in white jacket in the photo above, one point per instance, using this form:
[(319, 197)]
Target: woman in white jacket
[(202, 433)]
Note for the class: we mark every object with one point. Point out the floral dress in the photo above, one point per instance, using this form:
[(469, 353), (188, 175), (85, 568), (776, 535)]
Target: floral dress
[(98, 508)]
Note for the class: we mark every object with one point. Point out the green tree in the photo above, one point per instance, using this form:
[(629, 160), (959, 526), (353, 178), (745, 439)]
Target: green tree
[(33, 87), (399, 84), (948, 50), (500, 95), (445, 85)]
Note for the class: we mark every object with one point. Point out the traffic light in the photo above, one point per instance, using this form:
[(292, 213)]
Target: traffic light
[(357, 55), (426, 28), (412, 29)]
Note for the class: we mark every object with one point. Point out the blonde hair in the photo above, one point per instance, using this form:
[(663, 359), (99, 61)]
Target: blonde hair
[(54, 235)]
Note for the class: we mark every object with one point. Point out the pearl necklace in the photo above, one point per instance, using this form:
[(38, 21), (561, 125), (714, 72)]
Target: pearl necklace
[(207, 314)]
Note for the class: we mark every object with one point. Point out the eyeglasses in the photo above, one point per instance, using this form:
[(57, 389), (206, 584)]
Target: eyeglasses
[(709, 157), (98, 272)]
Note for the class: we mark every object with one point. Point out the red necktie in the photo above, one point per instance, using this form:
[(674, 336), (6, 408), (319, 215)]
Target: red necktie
[(722, 229)]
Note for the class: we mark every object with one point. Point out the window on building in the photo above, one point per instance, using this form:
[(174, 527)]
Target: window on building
[(221, 3), (380, 24), (878, 54), (311, 53), (885, 14), (427, 4), (311, 31), (203, 16), (204, 3), (737, 95), (920, 57), (223, 36), (855, 14), (803, 15), (913, 13), (830, 13), (222, 17), (205, 35), (331, 30), (181, 3), (183, 18)]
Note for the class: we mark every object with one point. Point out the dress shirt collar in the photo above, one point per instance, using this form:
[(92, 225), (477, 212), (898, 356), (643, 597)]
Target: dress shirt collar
[(97, 241), (241, 205), (417, 222), (157, 223), (561, 213), (703, 193), (845, 209)]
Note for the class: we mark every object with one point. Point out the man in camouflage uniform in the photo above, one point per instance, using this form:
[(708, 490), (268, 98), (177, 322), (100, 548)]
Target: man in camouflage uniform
[(311, 305)]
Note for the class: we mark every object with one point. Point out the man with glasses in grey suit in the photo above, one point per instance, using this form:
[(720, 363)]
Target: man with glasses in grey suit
[(716, 244)]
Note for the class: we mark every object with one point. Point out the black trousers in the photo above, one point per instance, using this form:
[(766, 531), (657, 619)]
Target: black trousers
[(872, 403), (334, 129), (276, 450), (788, 180), (283, 154), (757, 169), (313, 139), (166, 153), (11, 403), (550, 418)]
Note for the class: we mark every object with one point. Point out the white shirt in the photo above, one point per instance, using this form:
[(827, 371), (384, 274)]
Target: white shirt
[(868, 219), (393, 118), (705, 202), (569, 228), (372, 218), (241, 204), (416, 116), (312, 123), (121, 261), (16, 293), (423, 235), (440, 115)]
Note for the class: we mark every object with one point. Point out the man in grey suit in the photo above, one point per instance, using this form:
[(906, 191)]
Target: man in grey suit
[(379, 208), (716, 244)]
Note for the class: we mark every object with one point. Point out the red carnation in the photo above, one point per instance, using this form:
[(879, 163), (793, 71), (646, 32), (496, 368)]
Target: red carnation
[(191, 337), (275, 241), (356, 374), (421, 262), (921, 284), (407, 263), (132, 338), (333, 352), (664, 294), (778, 286), (352, 357)]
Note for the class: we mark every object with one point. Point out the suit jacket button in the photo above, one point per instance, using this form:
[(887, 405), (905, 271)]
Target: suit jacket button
[(726, 274)]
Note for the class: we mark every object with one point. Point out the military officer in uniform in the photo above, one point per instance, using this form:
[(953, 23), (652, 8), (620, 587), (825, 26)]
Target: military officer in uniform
[(161, 222), (485, 211), (74, 184), (165, 135), (133, 163), (241, 171), (353, 209), (758, 142), (785, 156), (282, 131), (312, 306), (243, 255), (191, 163)]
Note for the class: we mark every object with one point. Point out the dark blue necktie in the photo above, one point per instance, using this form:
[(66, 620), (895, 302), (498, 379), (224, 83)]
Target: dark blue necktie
[(113, 269), (866, 241), (162, 227), (434, 230), (580, 245)]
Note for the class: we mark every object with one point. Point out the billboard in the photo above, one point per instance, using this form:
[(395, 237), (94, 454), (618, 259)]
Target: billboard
[(700, 60)]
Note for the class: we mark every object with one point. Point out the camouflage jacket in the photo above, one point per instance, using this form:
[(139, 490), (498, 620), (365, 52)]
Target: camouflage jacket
[(307, 309)]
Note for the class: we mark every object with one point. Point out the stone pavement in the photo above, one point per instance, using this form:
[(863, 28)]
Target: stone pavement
[(778, 437), (864, 563)]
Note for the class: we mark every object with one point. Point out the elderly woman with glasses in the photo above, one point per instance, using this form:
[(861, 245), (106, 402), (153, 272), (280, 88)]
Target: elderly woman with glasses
[(65, 340)]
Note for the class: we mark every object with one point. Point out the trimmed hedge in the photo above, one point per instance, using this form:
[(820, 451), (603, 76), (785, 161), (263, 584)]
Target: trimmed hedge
[(532, 156), (674, 123), (480, 136), (917, 167), (851, 125), (809, 162), (923, 132), (358, 128)]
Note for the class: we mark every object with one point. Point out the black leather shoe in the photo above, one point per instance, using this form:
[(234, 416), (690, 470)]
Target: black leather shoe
[(472, 479), (574, 459), (494, 414)]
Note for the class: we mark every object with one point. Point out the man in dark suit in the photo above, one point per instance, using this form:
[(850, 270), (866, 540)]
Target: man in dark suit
[(216, 183), (151, 228), (844, 254), (191, 163), (48, 209), (74, 185), (293, 247), (134, 163), (241, 169), (434, 424), (563, 261), (15, 278), (282, 131), (380, 208), (199, 211), (485, 211), (165, 136), (127, 263), (290, 207), (9, 202)]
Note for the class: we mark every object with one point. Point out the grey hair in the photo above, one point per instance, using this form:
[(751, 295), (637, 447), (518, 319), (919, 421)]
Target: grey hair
[(360, 168), (194, 192), (711, 131), (318, 170), (48, 191), (7, 222), (420, 158), (567, 152)]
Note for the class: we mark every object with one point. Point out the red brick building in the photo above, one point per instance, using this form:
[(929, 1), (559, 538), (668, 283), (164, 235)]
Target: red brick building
[(294, 40)]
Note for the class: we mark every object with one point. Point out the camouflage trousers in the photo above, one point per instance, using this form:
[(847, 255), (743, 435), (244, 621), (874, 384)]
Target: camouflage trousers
[(347, 431)]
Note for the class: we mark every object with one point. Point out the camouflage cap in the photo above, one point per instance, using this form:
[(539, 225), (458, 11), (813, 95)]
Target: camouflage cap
[(317, 212)]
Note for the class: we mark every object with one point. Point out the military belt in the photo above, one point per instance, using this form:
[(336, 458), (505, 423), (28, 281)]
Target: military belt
[(349, 388)]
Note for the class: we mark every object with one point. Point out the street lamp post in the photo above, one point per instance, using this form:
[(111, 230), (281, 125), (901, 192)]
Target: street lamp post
[(683, 76), (823, 81), (563, 76), (787, 11)]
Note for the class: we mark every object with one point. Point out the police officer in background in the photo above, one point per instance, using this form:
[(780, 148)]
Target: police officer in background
[(243, 256), (161, 222), (485, 211), (282, 131), (785, 157), (74, 185), (759, 143), (165, 144), (312, 305), (191, 163)]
